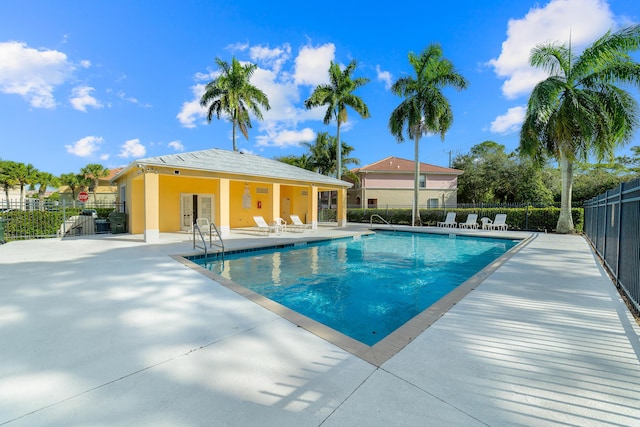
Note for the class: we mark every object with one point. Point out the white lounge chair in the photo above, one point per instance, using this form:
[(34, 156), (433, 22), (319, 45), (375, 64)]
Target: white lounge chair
[(263, 227), (298, 225), (499, 223), (450, 221), (472, 222)]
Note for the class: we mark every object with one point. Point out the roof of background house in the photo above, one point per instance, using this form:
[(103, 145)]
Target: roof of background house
[(396, 164), (234, 163), (112, 173)]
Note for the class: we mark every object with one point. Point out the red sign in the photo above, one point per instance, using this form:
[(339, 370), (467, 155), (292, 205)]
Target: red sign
[(83, 196)]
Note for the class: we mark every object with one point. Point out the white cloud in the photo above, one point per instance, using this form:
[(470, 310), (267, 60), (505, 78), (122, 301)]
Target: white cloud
[(283, 138), (132, 148), (104, 157), (237, 46), (191, 110), (270, 58), (176, 145), (312, 64), (32, 73), (510, 121), (81, 98), (85, 63), (384, 76), (582, 20), (85, 147)]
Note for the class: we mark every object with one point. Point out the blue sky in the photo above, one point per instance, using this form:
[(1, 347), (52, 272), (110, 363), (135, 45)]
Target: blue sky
[(111, 81)]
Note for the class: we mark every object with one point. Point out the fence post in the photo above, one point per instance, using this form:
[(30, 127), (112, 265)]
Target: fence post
[(618, 232), (64, 217), (526, 217)]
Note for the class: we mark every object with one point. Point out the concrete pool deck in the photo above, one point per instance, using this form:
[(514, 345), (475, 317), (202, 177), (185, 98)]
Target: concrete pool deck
[(108, 330)]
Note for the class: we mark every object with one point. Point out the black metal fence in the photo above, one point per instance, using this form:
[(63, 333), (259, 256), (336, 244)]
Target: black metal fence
[(35, 219), (612, 225)]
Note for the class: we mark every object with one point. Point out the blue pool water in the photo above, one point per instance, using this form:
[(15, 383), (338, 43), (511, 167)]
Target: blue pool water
[(365, 287)]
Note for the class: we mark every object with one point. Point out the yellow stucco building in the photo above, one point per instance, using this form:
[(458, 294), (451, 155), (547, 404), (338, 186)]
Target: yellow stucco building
[(168, 193)]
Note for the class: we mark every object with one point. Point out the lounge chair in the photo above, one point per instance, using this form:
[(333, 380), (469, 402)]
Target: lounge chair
[(263, 227), (499, 223), (298, 225), (450, 221), (472, 222)]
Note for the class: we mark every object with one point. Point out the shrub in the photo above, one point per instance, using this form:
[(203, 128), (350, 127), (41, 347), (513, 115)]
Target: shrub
[(525, 218)]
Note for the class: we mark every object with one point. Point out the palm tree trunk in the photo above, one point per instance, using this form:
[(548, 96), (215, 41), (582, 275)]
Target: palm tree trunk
[(565, 221), (415, 216), (234, 135), (339, 155)]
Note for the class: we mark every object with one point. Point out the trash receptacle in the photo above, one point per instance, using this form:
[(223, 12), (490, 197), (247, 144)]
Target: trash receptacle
[(2, 221), (102, 226), (118, 222)]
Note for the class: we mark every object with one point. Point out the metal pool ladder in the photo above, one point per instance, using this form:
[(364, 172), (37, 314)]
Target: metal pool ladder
[(214, 236), (383, 220)]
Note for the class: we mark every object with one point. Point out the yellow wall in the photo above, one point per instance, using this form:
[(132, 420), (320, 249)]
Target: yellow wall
[(171, 187), (135, 203), (243, 217)]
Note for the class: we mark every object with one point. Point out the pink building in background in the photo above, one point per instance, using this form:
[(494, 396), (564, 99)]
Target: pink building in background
[(389, 183)]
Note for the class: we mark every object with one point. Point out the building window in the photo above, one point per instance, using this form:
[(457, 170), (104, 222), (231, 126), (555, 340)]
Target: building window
[(423, 181), (372, 203), (432, 203), (358, 201)]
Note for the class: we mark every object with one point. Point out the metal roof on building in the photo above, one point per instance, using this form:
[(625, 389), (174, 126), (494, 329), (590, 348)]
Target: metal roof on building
[(235, 163)]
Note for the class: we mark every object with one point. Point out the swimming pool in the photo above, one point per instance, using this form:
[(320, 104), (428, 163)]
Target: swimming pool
[(365, 287)]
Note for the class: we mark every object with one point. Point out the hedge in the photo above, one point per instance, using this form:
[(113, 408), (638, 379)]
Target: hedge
[(527, 218)]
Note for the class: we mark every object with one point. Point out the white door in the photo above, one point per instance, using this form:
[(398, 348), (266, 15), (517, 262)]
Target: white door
[(196, 206), (206, 205), (186, 211)]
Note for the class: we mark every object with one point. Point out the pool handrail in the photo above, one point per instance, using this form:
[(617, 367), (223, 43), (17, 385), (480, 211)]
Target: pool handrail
[(195, 228), (384, 220), (212, 229)]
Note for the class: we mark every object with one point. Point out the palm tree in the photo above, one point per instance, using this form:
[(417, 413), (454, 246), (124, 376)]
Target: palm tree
[(337, 95), (323, 154), (93, 172), (425, 109), (40, 183), (7, 180), (74, 181), (580, 109), (303, 161), (23, 174), (232, 94)]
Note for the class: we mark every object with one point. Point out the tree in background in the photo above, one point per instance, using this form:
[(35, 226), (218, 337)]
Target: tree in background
[(24, 174), (337, 95), (93, 172), (75, 182), (7, 179), (424, 109), (579, 109), (303, 161), (40, 182), (323, 154), (233, 95), (491, 175), (592, 180), (631, 163)]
